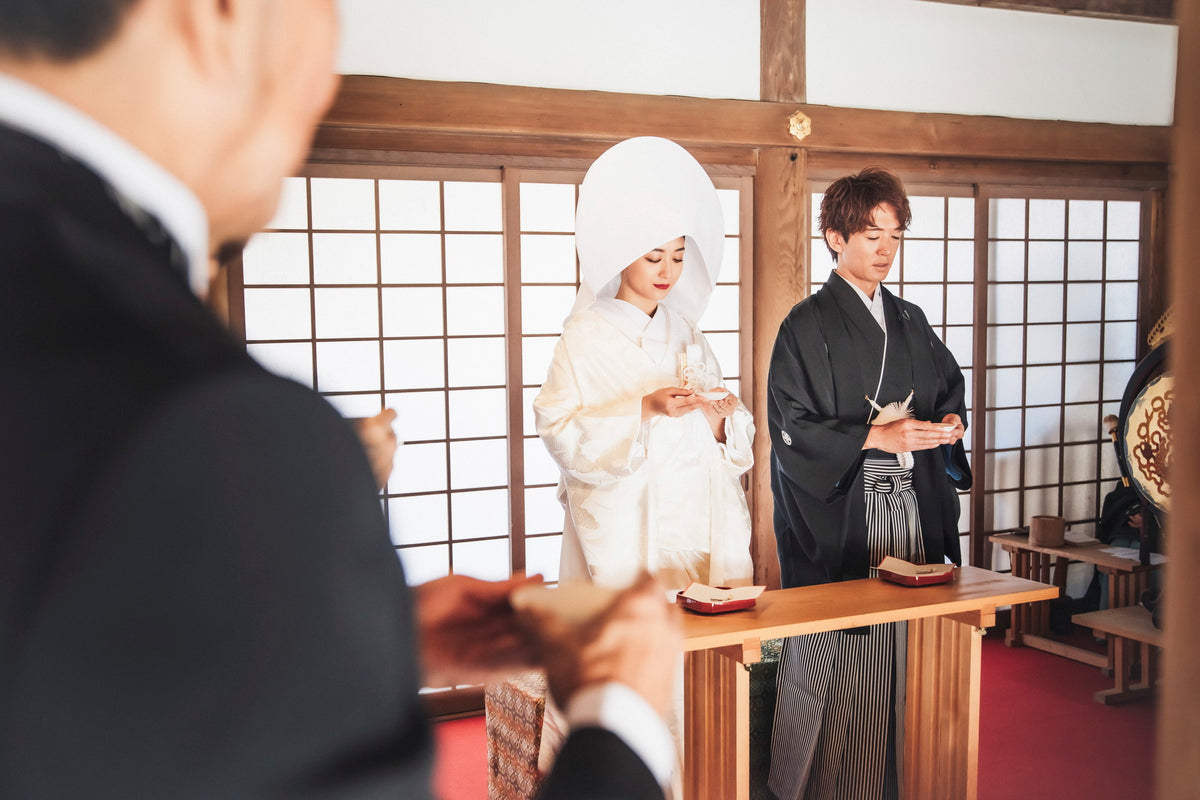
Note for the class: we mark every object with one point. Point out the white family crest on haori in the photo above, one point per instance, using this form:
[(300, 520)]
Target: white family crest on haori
[(639, 194), (890, 413)]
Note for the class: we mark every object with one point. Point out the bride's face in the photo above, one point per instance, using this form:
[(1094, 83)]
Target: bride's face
[(645, 282)]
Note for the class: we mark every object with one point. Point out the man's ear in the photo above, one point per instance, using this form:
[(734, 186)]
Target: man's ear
[(217, 34), (835, 240)]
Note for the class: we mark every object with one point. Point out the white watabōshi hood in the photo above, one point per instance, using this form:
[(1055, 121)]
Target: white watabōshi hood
[(638, 195)]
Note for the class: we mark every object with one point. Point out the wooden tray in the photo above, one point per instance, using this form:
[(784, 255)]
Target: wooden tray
[(700, 607), (927, 579)]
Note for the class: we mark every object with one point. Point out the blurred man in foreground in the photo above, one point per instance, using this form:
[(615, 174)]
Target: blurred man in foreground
[(198, 597)]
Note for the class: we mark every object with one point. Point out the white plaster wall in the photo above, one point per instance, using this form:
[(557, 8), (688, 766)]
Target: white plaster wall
[(970, 60), (904, 55), (699, 48)]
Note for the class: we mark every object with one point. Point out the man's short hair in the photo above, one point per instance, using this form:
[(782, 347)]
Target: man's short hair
[(59, 30), (850, 202)]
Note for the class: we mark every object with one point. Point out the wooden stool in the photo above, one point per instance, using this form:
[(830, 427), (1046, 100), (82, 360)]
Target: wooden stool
[(1124, 627)]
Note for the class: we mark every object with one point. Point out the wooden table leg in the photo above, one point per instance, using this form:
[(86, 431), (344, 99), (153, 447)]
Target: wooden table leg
[(1043, 576), (1117, 591), (1122, 662), (1118, 597), (1125, 690), (1019, 621), (716, 709), (1012, 637), (1060, 572), (941, 724)]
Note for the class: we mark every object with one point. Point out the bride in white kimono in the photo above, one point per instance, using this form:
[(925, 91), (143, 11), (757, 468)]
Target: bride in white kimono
[(633, 410)]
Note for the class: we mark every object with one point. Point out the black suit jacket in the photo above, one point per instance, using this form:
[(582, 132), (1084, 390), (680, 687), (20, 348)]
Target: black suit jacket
[(198, 596)]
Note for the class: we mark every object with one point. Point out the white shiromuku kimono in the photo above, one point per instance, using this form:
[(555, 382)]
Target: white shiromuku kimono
[(664, 494)]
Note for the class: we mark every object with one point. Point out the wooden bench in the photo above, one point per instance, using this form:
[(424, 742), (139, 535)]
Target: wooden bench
[(1030, 626), (1126, 628)]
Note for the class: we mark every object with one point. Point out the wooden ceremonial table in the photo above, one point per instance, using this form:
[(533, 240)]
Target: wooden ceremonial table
[(941, 726)]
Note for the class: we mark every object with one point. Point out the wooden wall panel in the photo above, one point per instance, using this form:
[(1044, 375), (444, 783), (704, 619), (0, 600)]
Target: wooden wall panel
[(1179, 708), (957, 170), (371, 111)]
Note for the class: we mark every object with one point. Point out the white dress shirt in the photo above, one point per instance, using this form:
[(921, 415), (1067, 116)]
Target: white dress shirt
[(138, 182)]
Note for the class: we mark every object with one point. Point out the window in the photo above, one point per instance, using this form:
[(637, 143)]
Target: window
[(441, 293), (1062, 284), (1058, 332)]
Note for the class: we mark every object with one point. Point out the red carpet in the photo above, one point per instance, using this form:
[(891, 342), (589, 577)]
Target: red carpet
[(460, 772), (1041, 736)]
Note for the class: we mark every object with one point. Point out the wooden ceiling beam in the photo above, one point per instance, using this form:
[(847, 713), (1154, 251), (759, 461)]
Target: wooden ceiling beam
[(1159, 11), (375, 112)]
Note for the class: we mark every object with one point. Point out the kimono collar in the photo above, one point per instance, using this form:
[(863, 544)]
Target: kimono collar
[(653, 334), (857, 315), (873, 304), (624, 315), (638, 195), (852, 329)]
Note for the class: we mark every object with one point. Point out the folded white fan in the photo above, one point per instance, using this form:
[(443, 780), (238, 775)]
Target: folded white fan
[(890, 413)]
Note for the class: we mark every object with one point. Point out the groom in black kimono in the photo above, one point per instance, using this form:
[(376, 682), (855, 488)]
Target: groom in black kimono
[(848, 492)]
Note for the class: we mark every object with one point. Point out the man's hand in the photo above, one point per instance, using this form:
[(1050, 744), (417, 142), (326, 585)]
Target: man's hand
[(670, 401), (468, 631), (959, 429), (635, 641), (379, 440), (910, 435)]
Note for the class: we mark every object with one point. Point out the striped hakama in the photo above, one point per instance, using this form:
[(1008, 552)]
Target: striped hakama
[(841, 694)]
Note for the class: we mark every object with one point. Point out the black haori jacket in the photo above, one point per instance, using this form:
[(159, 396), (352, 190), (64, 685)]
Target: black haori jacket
[(825, 364)]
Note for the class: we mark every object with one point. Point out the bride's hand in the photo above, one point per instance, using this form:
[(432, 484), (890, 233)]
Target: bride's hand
[(670, 401)]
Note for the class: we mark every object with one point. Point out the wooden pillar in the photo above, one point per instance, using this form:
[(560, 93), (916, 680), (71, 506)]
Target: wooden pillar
[(510, 198), (781, 50), (1154, 285), (780, 249), (780, 277), (226, 292), (1178, 735)]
